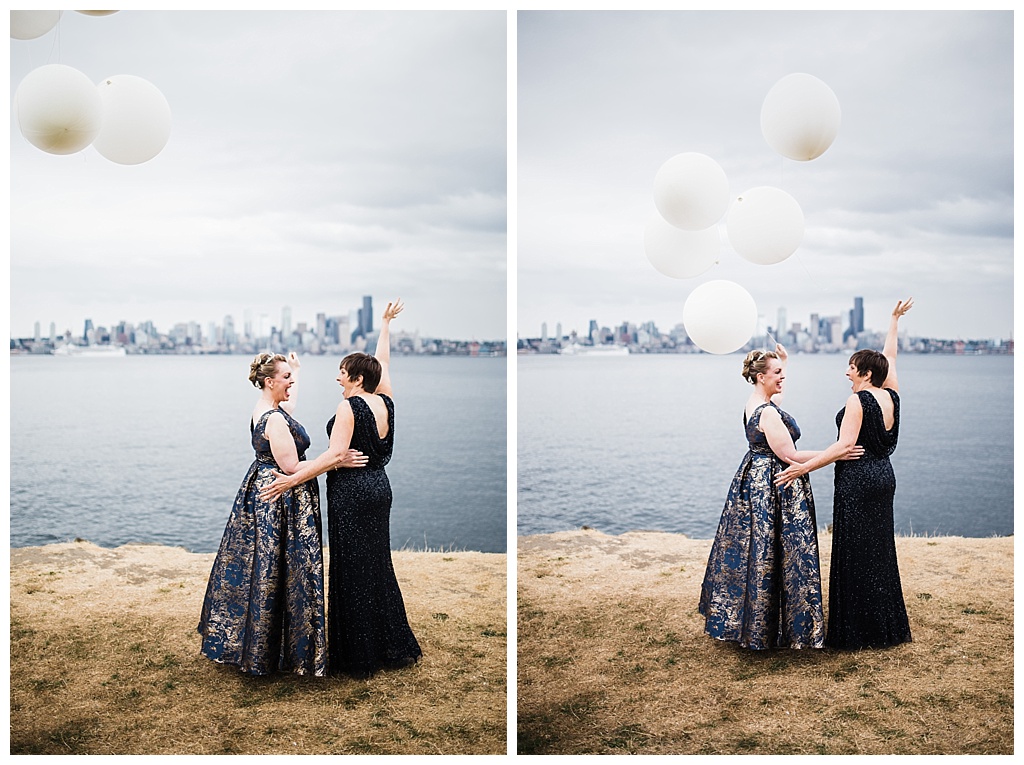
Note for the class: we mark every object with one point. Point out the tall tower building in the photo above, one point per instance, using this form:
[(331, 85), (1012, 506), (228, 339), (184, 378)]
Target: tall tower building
[(286, 322), (88, 332), (780, 328), (366, 317), (858, 314)]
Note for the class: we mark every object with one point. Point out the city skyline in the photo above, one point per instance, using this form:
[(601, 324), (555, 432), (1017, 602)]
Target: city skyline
[(850, 318), (308, 164), (357, 321)]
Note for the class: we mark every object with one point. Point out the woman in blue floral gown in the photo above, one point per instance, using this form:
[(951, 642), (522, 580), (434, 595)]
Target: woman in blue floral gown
[(264, 605), (762, 586)]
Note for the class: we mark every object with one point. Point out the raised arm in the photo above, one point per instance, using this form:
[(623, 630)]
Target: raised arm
[(383, 352), (338, 454), (849, 431), (892, 342)]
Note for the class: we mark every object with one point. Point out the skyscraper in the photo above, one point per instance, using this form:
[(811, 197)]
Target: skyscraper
[(366, 316), (858, 314), (286, 322)]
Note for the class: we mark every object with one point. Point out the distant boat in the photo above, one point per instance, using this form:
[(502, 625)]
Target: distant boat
[(91, 351), (594, 350)]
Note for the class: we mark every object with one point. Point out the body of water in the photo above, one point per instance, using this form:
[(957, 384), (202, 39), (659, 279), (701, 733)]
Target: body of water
[(651, 442), (153, 448)]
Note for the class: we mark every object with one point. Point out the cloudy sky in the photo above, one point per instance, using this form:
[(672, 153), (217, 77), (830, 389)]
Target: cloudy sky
[(914, 197), (314, 157)]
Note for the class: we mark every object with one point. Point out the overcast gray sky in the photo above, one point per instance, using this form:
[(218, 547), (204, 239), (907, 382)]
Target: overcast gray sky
[(314, 157), (914, 197)]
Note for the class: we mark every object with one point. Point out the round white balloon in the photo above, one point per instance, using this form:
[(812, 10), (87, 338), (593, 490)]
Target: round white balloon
[(765, 225), (800, 117), (720, 316), (136, 120), (57, 109), (28, 25), (678, 253), (691, 191)]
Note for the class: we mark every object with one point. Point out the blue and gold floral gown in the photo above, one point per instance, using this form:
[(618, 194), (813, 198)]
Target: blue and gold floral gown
[(264, 605), (762, 587)]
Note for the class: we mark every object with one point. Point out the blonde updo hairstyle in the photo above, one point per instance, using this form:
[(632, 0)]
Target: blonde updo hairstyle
[(263, 367), (756, 363)]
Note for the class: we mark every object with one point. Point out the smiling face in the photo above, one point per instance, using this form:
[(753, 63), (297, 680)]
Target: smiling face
[(348, 385), (772, 378), (856, 378), (281, 383)]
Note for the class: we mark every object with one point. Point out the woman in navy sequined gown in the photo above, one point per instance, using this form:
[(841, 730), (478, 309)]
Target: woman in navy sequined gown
[(264, 605), (762, 586), (368, 629), (866, 607)]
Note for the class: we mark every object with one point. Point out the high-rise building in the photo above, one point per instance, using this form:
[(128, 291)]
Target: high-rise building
[(88, 332), (286, 322), (366, 317), (857, 322)]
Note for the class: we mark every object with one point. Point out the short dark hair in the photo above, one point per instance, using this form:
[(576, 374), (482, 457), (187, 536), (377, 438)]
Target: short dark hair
[(871, 362), (363, 365)]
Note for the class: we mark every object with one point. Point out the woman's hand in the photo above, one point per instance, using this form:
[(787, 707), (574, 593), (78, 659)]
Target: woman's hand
[(790, 474), (351, 459), (902, 306), (854, 452), (393, 309), (274, 490), (293, 361), (781, 352)]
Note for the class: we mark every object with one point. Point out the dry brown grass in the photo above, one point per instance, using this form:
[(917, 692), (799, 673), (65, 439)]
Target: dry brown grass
[(612, 658), (105, 660)]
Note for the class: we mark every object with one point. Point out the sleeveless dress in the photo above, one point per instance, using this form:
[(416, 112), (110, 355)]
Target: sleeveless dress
[(762, 586), (264, 605), (366, 621), (865, 596)]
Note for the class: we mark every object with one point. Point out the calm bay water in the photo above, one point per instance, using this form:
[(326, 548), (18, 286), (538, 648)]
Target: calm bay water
[(652, 442), (153, 448)]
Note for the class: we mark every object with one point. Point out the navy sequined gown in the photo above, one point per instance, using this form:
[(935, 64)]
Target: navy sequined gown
[(264, 605), (865, 596), (366, 621), (762, 586)]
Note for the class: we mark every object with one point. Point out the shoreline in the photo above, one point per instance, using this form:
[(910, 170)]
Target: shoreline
[(613, 658), (104, 659)]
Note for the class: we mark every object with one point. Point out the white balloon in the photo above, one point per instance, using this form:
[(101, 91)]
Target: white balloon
[(765, 225), (720, 316), (28, 25), (136, 120), (691, 191), (678, 253), (58, 109), (800, 117)]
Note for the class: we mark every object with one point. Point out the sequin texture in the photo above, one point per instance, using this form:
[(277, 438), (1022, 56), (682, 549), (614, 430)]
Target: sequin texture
[(264, 605), (367, 625), (866, 606), (762, 586)]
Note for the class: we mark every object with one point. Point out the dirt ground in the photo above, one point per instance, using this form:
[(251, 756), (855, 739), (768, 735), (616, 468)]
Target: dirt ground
[(105, 660), (612, 658)]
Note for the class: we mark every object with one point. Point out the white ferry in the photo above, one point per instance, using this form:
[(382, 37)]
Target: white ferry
[(594, 350), (90, 351)]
